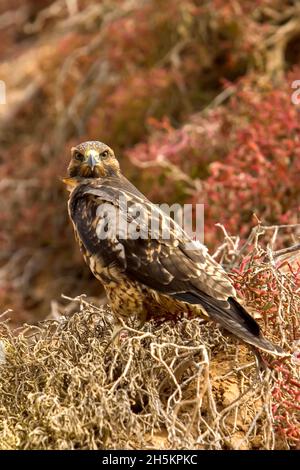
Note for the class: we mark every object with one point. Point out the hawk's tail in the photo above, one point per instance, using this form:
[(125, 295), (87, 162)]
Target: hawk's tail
[(246, 330), (234, 318)]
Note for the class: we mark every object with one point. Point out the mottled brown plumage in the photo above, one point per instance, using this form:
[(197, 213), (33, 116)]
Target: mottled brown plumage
[(148, 276)]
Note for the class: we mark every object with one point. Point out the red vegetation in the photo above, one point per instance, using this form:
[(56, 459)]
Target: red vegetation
[(246, 154), (195, 98), (264, 289)]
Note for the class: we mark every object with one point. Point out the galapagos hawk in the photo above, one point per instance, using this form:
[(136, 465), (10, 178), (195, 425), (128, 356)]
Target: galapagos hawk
[(155, 274)]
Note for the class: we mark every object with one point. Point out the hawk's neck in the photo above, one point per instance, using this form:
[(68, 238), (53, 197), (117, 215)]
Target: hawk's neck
[(117, 181)]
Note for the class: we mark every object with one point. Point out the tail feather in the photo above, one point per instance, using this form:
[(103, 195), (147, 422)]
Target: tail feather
[(234, 318)]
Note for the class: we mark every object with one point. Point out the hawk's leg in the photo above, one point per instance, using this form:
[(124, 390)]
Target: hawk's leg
[(126, 300), (119, 327), (116, 333), (142, 319)]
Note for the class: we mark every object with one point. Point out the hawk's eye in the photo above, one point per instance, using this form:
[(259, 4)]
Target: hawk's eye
[(104, 154), (78, 156)]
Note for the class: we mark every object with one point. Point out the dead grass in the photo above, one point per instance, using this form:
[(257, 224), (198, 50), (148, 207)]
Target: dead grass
[(65, 386)]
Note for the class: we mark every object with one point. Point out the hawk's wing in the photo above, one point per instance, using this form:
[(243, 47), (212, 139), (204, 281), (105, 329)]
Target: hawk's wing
[(173, 265), (107, 219)]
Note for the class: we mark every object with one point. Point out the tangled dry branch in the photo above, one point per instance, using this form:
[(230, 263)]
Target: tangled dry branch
[(66, 385)]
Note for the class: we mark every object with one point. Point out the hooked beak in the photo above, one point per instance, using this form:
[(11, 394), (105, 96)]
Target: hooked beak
[(92, 161)]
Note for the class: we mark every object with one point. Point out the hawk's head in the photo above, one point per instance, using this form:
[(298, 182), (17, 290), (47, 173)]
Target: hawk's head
[(93, 159)]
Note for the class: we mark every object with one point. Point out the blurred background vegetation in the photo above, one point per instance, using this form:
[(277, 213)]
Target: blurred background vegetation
[(194, 97)]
